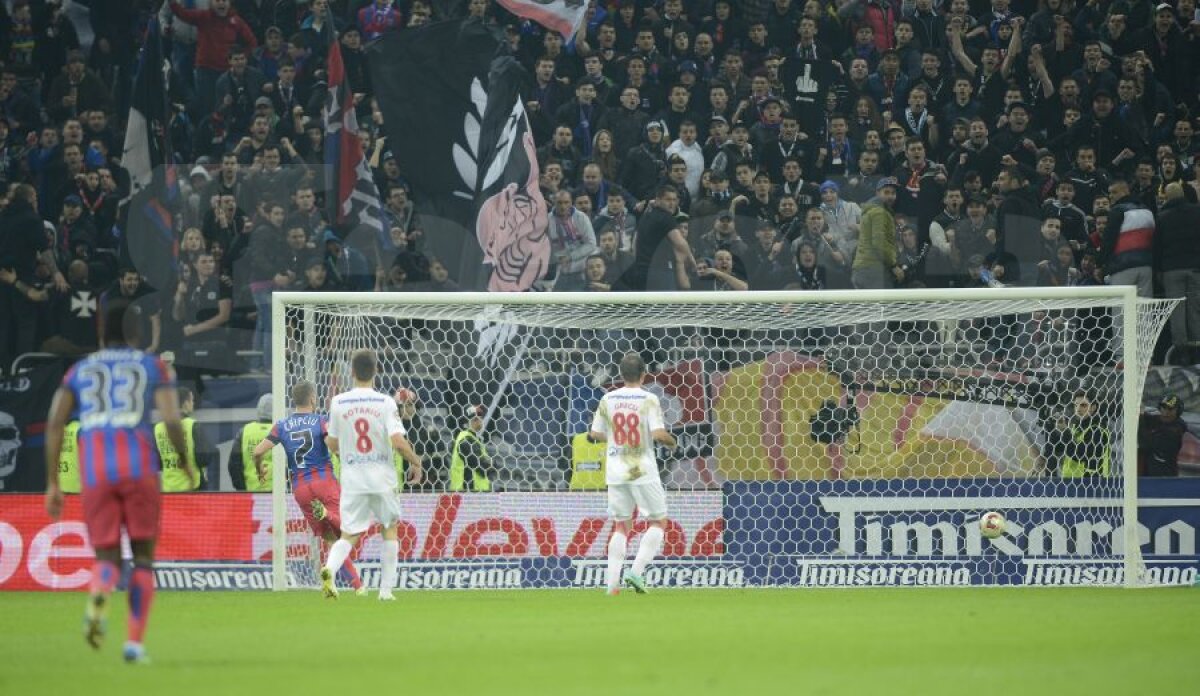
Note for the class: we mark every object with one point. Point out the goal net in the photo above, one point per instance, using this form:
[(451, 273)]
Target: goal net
[(825, 439)]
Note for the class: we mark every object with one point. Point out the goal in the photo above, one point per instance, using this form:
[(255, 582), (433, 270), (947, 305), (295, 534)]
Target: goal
[(833, 438)]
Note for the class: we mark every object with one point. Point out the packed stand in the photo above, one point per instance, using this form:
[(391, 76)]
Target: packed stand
[(705, 145)]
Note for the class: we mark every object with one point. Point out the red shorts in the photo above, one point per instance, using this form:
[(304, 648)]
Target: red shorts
[(134, 504), (330, 494)]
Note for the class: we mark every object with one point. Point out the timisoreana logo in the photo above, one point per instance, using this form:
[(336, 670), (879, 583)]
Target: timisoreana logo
[(1037, 527), (668, 573)]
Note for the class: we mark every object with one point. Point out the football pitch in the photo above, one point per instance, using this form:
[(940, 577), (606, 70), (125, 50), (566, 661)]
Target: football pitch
[(882, 641)]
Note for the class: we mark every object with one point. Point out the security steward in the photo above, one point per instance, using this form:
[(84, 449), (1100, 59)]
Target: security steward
[(199, 450), (1087, 443), (241, 455), (470, 464)]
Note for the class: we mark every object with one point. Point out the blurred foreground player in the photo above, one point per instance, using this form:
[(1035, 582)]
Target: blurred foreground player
[(630, 419), (310, 471), (112, 393)]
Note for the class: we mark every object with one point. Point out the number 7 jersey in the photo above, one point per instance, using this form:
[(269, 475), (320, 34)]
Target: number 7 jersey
[(303, 438), (627, 417), (363, 421)]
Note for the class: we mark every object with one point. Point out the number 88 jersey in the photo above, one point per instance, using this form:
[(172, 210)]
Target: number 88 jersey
[(627, 417)]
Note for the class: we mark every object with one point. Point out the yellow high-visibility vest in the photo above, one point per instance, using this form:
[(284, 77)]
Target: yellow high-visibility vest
[(458, 466), (587, 464), (174, 478), (68, 459), (253, 434)]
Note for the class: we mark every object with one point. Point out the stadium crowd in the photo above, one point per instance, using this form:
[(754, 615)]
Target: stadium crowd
[(702, 144)]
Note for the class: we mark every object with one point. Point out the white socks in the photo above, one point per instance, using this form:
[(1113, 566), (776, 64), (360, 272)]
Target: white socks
[(616, 559), (387, 566), (652, 540), (338, 553)]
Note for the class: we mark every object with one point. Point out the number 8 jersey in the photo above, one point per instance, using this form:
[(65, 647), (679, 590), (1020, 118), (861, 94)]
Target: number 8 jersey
[(363, 421), (627, 416)]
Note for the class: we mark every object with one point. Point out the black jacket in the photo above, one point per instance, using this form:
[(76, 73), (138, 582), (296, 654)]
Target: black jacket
[(22, 238), (1159, 444), (1018, 228), (1177, 238)]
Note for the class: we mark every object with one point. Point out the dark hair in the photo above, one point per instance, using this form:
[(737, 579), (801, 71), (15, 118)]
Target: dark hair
[(632, 367), (363, 364), (303, 393), (1016, 173)]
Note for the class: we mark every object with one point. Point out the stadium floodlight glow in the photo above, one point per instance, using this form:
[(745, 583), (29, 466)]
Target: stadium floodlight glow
[(826, 438)]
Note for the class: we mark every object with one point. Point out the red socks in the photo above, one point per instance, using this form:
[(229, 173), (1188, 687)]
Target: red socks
[(352, 573), (141, 595), (104, 577)]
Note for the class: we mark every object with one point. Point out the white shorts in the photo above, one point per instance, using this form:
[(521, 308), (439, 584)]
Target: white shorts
[(650, 499), (359, 510)]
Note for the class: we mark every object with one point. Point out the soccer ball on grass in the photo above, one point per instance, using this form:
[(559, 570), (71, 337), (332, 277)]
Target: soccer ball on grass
[(991, 524)]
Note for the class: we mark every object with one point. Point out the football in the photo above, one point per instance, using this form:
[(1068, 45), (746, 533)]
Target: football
[(991, 524)]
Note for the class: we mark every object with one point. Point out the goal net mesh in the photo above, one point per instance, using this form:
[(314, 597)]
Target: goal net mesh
[(821, 443)]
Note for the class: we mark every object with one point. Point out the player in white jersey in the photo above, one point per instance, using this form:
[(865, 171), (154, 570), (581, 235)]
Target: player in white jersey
[(630, 419), (364, 426)]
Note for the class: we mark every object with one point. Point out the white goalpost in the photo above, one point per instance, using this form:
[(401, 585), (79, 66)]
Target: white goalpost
[(832, 438)]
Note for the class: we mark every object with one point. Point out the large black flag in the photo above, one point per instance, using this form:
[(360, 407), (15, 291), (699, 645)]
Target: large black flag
[(457, 125), (24, 402), (455, 120), (148, 235)]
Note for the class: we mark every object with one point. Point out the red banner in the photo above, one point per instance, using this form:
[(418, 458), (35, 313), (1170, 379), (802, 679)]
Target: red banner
[(37, 553)]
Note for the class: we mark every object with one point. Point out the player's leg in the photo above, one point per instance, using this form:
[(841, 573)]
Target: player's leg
[(102, 515), (652, 504), (141, 596), (620, 511), (329, 494), (142, 514), (388, 513), (356, 519), (105, 573)]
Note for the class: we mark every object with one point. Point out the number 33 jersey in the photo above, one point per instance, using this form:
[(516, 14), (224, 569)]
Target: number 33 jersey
[(114, 397), (363, 421), (627, 416)]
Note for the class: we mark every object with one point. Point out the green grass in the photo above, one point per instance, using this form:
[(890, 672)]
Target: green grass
[(962, 641)]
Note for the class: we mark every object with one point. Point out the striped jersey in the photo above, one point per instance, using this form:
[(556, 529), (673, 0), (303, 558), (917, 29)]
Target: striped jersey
[(114, 396), (303, 438)]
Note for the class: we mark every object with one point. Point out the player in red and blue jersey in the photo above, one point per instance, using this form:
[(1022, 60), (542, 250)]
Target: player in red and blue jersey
[(112, 393), (309, 469)]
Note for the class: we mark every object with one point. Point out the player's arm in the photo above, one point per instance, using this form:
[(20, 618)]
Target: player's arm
[(404, 447), (260, 452), (658, 428), (167, 402), (599, 430), (60, 413), (235, 467)]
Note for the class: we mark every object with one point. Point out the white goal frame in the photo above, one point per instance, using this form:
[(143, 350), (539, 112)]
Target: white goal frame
[(1124, 297)]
